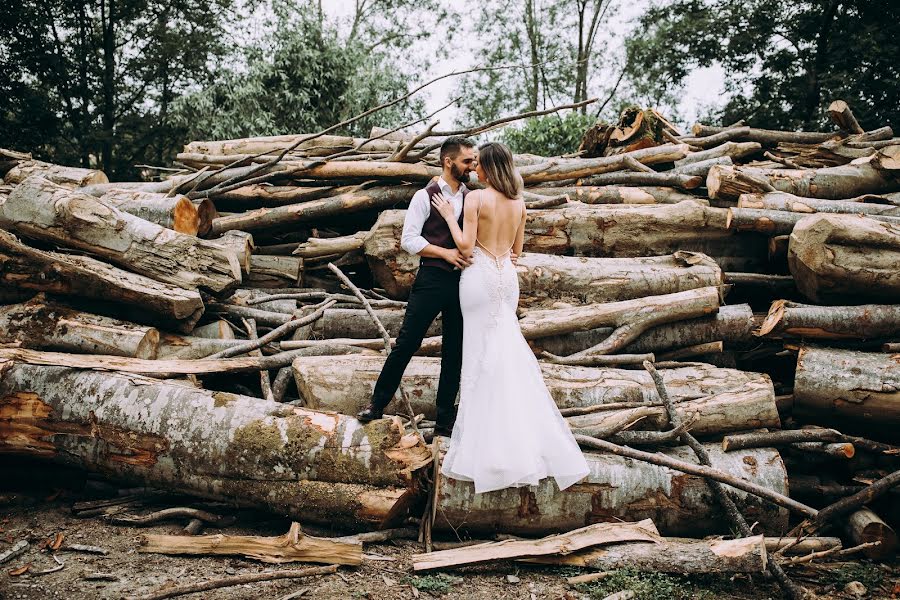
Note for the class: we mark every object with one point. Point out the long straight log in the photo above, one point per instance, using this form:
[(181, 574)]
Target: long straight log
[(845, 259), (618, 488), (561, 169), (49, 326), (734, 150), (345, 384), (27, 268), (323, 145), (791, 203), (281, 216), (768, 136), (41, 209), (611, 194), (866, 321), (312, 466), (701, 168), (778, 222), (745, 555), (860, 386), (669, 178)]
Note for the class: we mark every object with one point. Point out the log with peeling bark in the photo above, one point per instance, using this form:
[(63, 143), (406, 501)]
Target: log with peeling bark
[(562, 169), (267, 271), (845, 384), (256, 195), (791, 203), (611, 194), (290, 214), (345, 384), (734, 150), (701, 168), (871, 175), (668, 178), (173, 212), (240, 243), (316, 247), (51, 326), (845, 258), (41, 209), (595, 534), (606, 231), (27, 268), (866, 321), (313, 466), (616, 489), (745, 555), (70, 177), (185, 347), (865, 526), (767, 136), (293, 546), (778, 222)]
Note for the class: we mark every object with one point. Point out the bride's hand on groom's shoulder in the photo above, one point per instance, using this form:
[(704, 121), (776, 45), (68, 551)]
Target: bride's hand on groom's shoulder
[(443, 206)]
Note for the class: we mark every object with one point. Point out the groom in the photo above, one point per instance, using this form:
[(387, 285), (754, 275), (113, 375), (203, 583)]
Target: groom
[(436, 288)]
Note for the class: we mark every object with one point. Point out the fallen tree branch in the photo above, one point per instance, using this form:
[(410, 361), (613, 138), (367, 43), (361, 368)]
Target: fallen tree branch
[(173, 513)]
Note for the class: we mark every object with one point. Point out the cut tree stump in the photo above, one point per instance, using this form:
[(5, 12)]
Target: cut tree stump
[(27, 268), (47, 325), (837, 259), (318, 467), (866, 321), (293, 546), (865, 526), (562, 543), (344, 384), (745, 555), (859, 386), (41, 209), (617, 489)]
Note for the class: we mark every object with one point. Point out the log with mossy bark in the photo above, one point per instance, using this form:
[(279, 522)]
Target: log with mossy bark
[(81, 277), (617, 489), (313, 466), (40, 209), (46, 325), (865, 321), (345, 384), (860, 387), (845, 259), (595, 231)]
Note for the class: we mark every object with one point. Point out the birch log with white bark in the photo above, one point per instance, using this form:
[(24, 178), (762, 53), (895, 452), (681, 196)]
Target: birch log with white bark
[(41, 209), (312, 466)]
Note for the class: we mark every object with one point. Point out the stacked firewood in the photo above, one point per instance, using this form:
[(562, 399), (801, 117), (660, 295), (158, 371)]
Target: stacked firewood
[(215, 331)]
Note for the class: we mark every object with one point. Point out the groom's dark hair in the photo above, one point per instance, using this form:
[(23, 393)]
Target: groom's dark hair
[(451, 146)]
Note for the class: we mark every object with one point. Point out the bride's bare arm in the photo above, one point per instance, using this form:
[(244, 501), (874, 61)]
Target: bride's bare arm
[(520, 234), (465, 237)]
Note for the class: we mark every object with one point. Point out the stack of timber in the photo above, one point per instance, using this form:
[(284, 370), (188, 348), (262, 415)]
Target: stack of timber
[(214, 332)]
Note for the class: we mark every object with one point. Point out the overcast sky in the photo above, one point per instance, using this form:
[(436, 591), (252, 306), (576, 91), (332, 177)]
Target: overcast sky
[(704, 86)]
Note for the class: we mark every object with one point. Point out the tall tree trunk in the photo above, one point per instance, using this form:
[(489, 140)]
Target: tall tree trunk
[(108, 18)]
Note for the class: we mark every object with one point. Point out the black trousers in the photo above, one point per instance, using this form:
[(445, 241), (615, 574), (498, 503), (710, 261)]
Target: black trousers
[(435, 291)]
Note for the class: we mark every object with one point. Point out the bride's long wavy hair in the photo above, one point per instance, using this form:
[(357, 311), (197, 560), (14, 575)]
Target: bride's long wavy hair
[(497, 162)]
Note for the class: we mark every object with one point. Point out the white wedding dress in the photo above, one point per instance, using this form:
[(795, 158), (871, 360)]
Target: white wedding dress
[(508, 432)]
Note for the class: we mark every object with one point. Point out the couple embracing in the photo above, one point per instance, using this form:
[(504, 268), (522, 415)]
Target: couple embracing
[(508, 431)]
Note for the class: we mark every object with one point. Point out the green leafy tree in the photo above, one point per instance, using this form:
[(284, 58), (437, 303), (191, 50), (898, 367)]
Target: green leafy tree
[(784, 61), (552, 135)]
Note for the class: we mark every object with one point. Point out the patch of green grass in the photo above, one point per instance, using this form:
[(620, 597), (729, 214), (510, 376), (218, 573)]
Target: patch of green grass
[(646, 586), (439, 583), (866, 573)]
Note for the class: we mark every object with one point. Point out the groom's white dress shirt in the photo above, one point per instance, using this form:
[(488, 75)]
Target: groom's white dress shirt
[(419, 208)]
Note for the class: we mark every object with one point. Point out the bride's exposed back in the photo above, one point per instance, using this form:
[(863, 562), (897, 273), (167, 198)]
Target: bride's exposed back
[(508, 431)]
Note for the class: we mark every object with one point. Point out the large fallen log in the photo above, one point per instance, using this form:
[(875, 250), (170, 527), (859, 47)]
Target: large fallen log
[(866, 321), (616, 489), (322, 145), (845, 258), (41, 209), (621, 231), (767, 136), (281, 216), (611, 194), (70, 177), (313, 466), (791, 203), (562, 169), (345, 385), (27, 268), (857, 386), (871, 175), (50, 326), (745, 555), (779, 222), (735, 150), (173, 212)]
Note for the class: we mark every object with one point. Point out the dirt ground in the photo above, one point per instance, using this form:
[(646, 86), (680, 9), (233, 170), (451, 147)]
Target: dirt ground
[(39, 513)]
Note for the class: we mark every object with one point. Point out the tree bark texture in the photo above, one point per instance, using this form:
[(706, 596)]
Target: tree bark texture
[(41, 209), (865, 321), (845, 258), (313, 466), (860, 386), (70, 177), (611, 194), (173, 212)]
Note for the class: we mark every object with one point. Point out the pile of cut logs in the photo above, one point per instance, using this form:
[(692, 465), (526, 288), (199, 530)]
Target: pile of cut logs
[(215, 331)]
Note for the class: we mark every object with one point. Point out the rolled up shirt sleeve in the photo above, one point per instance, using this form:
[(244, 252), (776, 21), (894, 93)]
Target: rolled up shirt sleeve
[(419, 208)]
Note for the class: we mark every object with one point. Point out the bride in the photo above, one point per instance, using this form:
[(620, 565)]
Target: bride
[(509, 432)]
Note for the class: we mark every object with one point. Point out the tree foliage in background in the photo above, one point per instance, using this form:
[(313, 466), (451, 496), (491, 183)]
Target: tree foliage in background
[(552, 135), (784, 62), (92, 82)]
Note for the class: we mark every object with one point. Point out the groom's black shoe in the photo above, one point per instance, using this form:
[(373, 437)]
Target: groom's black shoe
[(369, 413)]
